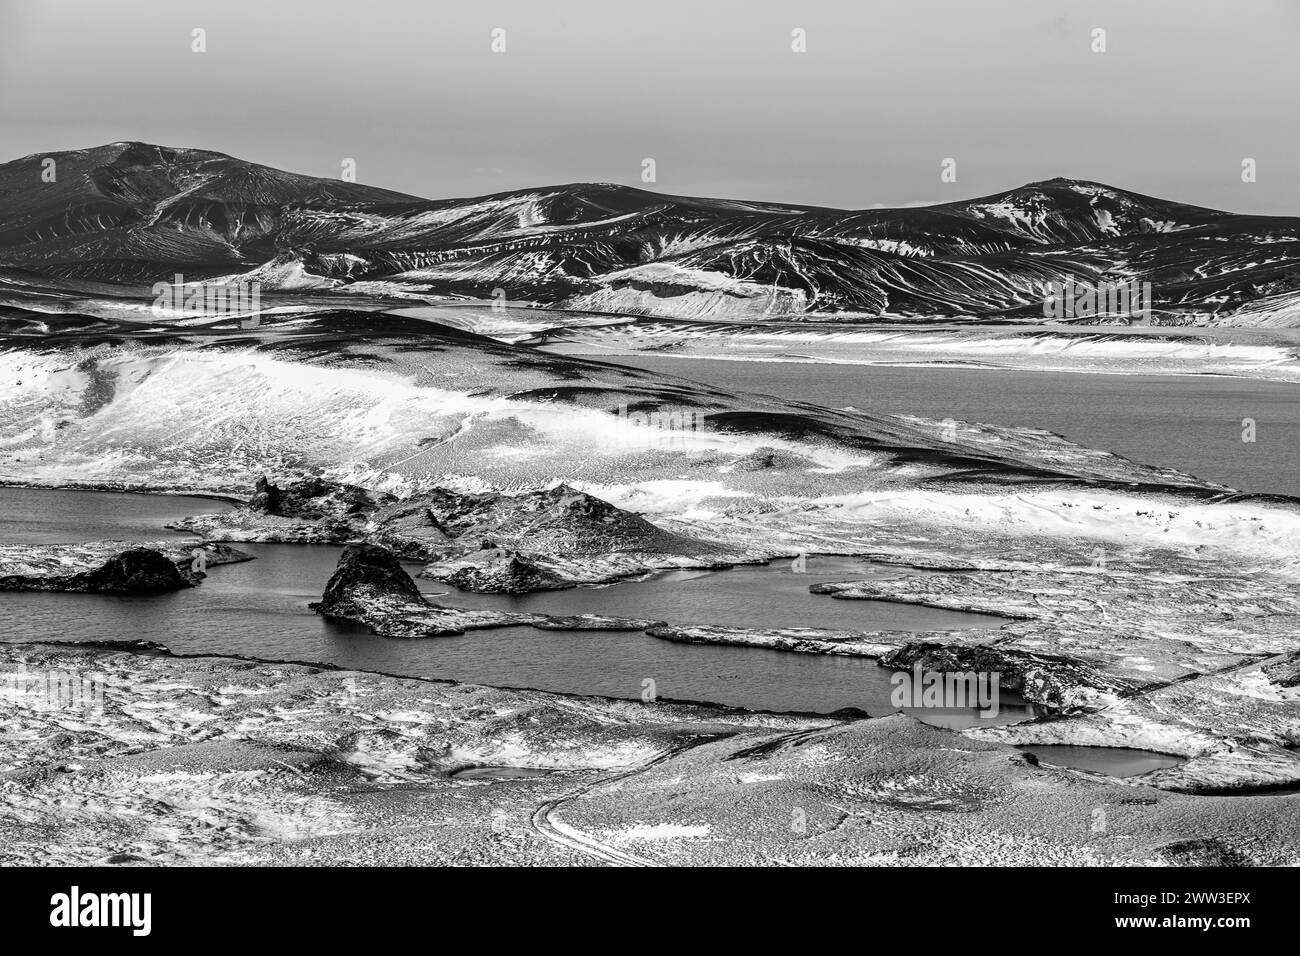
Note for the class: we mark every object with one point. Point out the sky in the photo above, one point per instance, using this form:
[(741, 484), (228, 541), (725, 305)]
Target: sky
[(711, 90)]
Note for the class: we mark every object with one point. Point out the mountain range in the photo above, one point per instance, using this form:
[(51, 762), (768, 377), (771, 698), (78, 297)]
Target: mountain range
[(126, 215)]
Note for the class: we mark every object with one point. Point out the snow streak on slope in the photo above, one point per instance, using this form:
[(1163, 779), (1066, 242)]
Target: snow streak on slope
[(213, 420), (132, 214), (1270, 356)]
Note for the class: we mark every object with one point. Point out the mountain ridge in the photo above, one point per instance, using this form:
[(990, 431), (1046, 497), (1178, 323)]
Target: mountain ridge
[(133, 213), (578, 184)]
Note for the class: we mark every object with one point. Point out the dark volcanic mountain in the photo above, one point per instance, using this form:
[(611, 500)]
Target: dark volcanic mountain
[(130, 214)]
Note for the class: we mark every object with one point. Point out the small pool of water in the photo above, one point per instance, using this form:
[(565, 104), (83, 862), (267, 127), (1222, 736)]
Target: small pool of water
[(500, 773), (1112, 761)]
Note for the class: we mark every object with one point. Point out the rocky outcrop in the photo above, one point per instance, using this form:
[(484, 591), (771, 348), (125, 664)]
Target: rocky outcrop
[(559, 520), (133, 571), (311, 498), (444, 524), (367, 578), (485, 542), (371, 587), (311, 510), (108, 567), (409, 530), (493, 571), (553, 538), (1052, 682)]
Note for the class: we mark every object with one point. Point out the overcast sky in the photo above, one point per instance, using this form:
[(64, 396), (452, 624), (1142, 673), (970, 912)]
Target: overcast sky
[(710, 89)]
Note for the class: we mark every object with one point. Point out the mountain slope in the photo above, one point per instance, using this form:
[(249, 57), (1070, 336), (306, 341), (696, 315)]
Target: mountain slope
[(131, 214)]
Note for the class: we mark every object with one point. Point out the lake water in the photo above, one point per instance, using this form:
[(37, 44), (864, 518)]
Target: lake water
[(1189, 422), (1115, 761), (259, 609), (765, 596), (56, 516)]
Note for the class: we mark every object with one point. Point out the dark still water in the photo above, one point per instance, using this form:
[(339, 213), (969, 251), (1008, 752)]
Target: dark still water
[(259, 609), (55, 516), (1114, 761), (766, 596), (1189, 422)]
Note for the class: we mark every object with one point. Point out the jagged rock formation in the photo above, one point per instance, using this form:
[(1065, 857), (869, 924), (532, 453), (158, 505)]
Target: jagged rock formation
[(488, 542), (310, 510), (554, 537), (494, 571), (559, 520), (370, 586), (366, 579), (311, 498)]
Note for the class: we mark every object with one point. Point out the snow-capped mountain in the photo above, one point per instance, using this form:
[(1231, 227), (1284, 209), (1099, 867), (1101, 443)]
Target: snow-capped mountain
[(130, 214)]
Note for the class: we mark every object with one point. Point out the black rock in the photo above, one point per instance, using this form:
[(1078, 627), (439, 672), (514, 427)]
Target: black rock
[(366, 574), (134, 571), (266, 497), (849, 713), (311, 498)]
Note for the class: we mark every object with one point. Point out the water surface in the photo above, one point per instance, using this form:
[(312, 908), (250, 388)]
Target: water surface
[(1114, 761), (1189, 422), (760, 596), (64, 516), (259, 609)]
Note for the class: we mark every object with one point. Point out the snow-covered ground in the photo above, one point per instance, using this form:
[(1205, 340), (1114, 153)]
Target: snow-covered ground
[(1272, 355), (215, 761), (1154, 610)]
